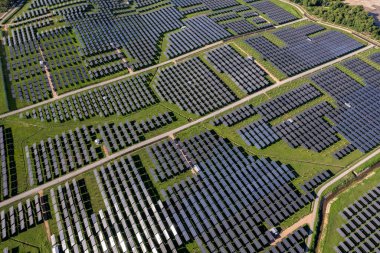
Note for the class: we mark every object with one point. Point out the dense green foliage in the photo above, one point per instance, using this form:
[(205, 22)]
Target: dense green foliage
[(338, 12), (5, 4)]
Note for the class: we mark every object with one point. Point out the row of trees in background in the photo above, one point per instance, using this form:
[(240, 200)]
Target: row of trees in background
[(338, 12), (5, 4)]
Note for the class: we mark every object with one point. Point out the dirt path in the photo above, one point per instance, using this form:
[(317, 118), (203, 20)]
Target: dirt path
[(261, 66), (105, 150), (268, 72), (55, 95), (46, 223), (305, 220)]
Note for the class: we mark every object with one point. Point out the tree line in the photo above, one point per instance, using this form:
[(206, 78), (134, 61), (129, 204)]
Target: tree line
[(5, 5), (338, 12)]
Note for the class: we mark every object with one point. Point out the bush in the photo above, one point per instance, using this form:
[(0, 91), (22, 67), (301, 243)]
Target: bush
[(338, 12)]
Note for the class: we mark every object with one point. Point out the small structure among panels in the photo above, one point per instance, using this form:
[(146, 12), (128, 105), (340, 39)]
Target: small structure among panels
[(295, 242), (243, 71), (193, 87), (361, 231)]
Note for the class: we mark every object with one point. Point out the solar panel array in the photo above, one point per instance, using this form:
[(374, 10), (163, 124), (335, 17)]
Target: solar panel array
[(59, 155), (138, 220), (370, 74), (375, 58), (20, 218), (223, 208), (219, 4), (345, 151), (259, 134), (304, 53), (197, 32), (274, 12), (236, 116), (287, 102), (309, 129), (316, 181), (336, 83), (4, 167), (193, 87), (241, 26), (361, 231), (225, 17), (79, 229), (244, 72), (359, 118), (8, 176), (121, 98), (122, 135), (293, 243), (138, 34), (170, 159)]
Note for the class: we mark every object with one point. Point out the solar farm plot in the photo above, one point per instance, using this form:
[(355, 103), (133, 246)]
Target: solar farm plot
[(223, 207), (59, 53), (193, 87), (375, 58), (243, 26), (213, 5), (259, 134), (196, 32), (121, 98), (336, 83), (302, 52), (274, 12), (79, 229), (56, 156), (368, 73), (287, 102), (135, 33), (360, 233), (118, 136), (139, 222), (28, 82), (236, 116), (245, 73), (295, 242), (309, 129), (358, 119), (18, 219), (8, 177)]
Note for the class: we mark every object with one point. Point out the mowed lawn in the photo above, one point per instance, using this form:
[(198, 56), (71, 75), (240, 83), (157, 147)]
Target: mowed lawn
[(335, 220)]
